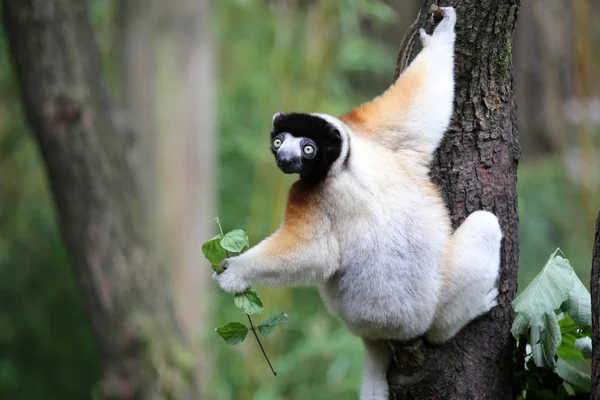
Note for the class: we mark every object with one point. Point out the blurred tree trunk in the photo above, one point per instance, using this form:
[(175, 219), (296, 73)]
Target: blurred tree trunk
[(595, 289), (476, 167), (87, 148), (583, 91), (405, 10), (167, 76), (542, 68)]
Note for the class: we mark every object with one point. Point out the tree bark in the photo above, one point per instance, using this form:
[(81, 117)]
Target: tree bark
[(87, 148), (595, 289), (476, 168), (167, 80)]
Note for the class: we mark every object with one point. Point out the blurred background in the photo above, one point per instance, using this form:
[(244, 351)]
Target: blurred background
[(202, 80)]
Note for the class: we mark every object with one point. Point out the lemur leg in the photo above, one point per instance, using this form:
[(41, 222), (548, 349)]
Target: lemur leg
[(469, 282), (415, 111), (433, 103), (374, 385)]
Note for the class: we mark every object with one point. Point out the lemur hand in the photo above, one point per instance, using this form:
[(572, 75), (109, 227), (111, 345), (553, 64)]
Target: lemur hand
[(231, 280)]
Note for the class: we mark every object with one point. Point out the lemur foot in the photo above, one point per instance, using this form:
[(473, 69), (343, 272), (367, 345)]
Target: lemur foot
[(490, 300)]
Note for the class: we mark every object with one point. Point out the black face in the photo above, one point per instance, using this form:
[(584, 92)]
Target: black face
[(293, 154), (305, 144)]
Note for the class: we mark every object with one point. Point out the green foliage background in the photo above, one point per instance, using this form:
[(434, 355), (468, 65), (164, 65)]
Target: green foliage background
[(269, 59)]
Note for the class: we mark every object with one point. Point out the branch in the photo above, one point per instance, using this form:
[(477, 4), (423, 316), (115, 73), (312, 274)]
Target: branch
[(595, 289)]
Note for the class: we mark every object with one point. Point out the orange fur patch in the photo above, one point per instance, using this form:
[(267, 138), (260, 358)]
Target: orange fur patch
[(298, 220), (383, 115)]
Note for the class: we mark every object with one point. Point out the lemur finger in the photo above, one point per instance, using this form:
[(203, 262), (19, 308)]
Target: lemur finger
[(225, 263), (436, 12)]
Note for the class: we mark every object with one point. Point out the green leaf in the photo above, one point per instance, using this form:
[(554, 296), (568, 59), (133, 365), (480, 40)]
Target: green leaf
[(573, 375), (566, 323), (548, 290), (575, 344), (213, 251), (545, 339), (235, 241), (519, 326), (249, 302), (584, 345), (267, 326), (567, 349), (233, 332), (579, 304), (568, 327)]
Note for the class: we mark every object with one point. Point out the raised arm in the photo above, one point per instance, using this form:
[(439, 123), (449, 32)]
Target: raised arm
[(416, 110), (302, 252)]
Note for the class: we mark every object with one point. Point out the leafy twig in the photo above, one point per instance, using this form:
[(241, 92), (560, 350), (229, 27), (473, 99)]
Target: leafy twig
[(215, 250)]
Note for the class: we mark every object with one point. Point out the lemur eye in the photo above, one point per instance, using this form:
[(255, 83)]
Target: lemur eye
[(277, 142), (308, 149)]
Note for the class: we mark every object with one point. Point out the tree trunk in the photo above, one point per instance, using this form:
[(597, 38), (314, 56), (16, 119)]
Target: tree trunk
[(542, 65), (476, 167), (87, 148), (167, 81), (595, 289)]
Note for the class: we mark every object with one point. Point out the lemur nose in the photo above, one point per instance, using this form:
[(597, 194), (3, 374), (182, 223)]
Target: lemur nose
[(286, 162), (289, 165)]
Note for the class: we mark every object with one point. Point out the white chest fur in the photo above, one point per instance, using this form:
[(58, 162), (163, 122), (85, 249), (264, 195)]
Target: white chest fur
[(391, 237)]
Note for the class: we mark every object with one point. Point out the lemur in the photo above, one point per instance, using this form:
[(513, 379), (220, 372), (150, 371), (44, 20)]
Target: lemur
[(366, 225)]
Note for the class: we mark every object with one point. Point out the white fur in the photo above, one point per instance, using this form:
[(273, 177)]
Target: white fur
[(277, 114), (308, 266), (430, 115), (392, 239), (382, 252), (473, 258)]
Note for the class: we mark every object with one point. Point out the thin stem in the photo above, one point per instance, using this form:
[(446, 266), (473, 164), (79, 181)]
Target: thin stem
[(261, 347), (216, 219), (570, 330)]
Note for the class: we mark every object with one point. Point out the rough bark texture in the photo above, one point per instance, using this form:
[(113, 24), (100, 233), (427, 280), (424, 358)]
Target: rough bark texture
[(476, 167), (87, 146), (595, 288)]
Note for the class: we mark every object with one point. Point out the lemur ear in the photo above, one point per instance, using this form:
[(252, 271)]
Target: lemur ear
[(277, 115)]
